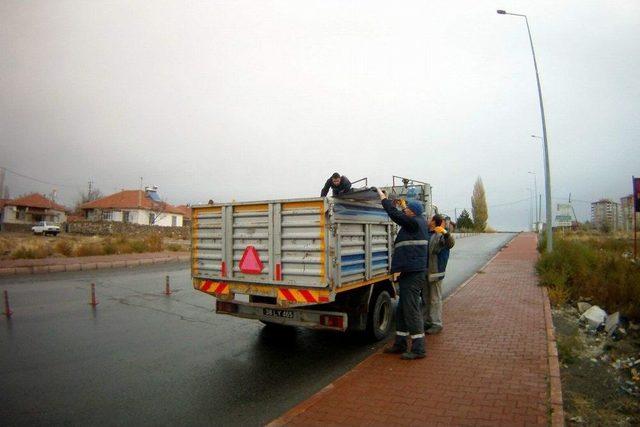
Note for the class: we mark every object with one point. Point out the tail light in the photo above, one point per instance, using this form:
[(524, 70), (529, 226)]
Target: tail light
[(332, 321)]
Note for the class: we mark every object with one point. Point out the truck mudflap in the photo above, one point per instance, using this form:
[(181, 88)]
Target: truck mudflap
[(314, 319)]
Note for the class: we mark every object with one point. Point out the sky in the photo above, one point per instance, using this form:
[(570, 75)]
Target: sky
[(256, 100)]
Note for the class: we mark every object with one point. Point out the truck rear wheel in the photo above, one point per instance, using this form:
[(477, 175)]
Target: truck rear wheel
[(380, 316)]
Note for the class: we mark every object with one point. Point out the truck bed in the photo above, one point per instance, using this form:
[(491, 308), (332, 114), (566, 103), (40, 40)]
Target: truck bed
[(298, 251)]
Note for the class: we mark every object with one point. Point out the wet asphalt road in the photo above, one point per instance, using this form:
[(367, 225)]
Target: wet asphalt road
[(144, 358)]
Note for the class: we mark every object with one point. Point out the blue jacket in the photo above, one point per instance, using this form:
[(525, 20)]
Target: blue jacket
[(410, 251)]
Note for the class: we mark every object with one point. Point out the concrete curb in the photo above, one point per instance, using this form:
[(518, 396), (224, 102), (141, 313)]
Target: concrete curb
[(555, 384), (90, 265)]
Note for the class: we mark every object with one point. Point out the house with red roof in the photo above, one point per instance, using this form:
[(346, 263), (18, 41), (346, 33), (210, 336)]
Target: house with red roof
[(186, 214), (31, 209), (135, 207)]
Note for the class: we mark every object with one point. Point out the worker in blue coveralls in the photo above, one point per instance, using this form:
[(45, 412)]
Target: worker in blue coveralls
[(410, 256)]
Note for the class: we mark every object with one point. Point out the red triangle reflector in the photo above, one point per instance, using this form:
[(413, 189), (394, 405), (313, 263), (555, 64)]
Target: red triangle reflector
[(250, 262)]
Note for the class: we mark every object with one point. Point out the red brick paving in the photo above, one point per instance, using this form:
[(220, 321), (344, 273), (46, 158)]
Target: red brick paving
[(488, 367)]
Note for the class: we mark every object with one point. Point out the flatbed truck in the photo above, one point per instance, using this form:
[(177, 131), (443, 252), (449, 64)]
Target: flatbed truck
[(321, 263)]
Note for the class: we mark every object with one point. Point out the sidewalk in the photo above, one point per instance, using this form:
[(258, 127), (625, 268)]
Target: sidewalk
[(495, 363), (57, 265)]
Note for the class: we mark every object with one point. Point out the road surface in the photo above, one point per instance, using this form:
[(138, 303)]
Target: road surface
[(144, 358)]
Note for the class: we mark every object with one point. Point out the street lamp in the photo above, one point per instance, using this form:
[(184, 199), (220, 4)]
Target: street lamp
[(547, 174)]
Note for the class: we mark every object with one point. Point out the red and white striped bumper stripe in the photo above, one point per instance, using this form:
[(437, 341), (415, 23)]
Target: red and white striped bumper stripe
[(212, 287)]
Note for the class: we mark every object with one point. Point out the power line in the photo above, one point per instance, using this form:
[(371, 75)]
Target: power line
[(510, 203), (37, 180), (492, 206)]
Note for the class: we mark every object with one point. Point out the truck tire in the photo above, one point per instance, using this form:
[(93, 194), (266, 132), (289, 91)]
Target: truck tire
[(380, 316)]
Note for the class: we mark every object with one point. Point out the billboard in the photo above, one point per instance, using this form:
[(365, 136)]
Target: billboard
[(564, 215)]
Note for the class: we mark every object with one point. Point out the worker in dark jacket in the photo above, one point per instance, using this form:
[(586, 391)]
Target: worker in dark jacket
[(410, 257), (440, 243), (338, 184)]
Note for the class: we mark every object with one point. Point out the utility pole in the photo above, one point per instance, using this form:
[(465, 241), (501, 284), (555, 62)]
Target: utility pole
[(2, 176), (140, 194), (535, 202), (545, 140)]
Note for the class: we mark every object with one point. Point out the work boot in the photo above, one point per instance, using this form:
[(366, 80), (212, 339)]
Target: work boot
[(398, 347), (412, 356), (433, 330), (417, 350)]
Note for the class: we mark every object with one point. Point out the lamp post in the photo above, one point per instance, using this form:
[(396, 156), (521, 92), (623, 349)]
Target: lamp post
[(537, 212), (547, 174)]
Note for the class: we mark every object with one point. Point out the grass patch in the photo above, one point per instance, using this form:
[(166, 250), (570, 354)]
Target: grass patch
[(138, 246), (569, 348), (64, 247), (89, 249), (154, 243), (174, 247), (26, 246), (596, 267), (32, 252), (109, 247), (6, 247), (23, 253)]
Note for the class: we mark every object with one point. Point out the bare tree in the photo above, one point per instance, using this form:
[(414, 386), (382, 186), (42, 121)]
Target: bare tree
[(479, 207), (88, 196), (159, 210)]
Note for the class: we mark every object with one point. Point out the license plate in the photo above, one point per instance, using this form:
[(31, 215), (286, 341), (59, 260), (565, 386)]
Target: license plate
[(286, 314)]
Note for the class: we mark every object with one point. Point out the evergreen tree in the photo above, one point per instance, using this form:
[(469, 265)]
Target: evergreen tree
[(464, 221)]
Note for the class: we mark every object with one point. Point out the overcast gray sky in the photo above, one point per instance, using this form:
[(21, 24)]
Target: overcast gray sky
[(264, 99)]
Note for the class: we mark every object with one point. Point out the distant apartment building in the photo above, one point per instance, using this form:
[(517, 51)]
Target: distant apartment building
[(605, 213), (626, 213), (135, 207)]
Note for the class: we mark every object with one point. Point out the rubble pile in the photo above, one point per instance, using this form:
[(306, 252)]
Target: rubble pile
[(605, 328)]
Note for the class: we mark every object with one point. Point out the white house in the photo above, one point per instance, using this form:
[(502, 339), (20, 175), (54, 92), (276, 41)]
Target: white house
[(135, 207), (31, 209)]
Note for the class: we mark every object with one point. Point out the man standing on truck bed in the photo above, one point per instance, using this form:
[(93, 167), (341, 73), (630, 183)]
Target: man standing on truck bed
[(338, 184), (410, 257)]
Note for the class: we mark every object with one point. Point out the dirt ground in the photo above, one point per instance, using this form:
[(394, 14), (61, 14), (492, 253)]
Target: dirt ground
[(600, 382)]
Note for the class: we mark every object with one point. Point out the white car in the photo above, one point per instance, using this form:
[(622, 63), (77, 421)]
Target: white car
[(43, 228)]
